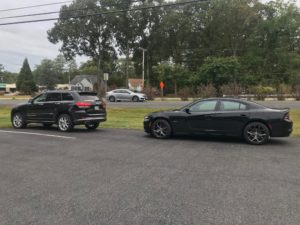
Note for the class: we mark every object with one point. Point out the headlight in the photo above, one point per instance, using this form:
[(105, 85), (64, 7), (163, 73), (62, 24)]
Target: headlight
[(146, 118)]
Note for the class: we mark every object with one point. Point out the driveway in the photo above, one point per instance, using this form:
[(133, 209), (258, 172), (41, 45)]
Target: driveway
[(113, 176)]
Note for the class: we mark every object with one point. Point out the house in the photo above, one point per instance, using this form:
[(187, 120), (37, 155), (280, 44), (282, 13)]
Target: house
[(135, 84), (84, 83)]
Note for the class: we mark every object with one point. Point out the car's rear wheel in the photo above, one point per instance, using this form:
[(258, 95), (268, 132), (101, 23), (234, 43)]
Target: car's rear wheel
[(92, 126), (112, 99), (135, 99), (256, 133), (18, 121), (65, 123), (161, 129)]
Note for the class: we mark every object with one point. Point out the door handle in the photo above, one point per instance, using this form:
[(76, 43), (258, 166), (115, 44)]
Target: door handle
[(57, 103), (243, 115)]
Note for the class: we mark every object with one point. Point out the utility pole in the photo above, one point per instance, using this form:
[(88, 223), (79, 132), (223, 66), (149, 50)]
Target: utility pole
[(143, 75)]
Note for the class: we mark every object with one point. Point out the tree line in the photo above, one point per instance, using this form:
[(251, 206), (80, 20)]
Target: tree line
[(216, 42), (242, 43)]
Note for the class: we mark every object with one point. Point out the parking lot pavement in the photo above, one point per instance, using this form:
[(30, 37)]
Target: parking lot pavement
[(113, 176)]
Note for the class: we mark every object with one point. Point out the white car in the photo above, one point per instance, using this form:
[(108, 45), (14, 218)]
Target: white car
[(125, 95)]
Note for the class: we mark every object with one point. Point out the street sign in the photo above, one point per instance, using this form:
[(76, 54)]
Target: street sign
[(105, 76), (162, 85)]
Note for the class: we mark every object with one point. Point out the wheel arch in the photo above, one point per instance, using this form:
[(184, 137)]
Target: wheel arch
[(257, 121)]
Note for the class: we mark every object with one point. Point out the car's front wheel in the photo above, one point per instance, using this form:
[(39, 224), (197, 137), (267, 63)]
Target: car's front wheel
[(18, 121), (65, 123), (135, 99), (92, 126), (256, 133), (161, 129), (112, 99)]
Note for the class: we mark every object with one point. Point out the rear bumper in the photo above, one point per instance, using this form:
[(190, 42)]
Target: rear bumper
[(82, 118), (283, 129)]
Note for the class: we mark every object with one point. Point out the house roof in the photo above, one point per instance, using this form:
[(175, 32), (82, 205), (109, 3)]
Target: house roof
[(135, 82), (91, 78)]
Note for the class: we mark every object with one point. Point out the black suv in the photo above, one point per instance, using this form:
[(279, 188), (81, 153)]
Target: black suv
[(64, 108)]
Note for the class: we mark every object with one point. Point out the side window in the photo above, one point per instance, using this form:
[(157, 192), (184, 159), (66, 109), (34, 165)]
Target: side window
[(53, 97), (67, 97), (232, 106), (205, 106), (40, 98)]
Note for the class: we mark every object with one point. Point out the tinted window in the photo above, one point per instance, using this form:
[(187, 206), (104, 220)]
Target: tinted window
[(40, 98), (67, 97), (85, 97), (53, 97), (204, 106), (232, 106)]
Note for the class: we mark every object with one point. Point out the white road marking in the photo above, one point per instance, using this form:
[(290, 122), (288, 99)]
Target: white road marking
[(37, 134)]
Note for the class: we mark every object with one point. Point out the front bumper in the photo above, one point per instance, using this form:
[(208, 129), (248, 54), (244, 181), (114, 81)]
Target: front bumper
[(147, 124)]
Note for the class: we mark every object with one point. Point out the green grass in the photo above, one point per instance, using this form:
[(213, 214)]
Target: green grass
[(132, 118)]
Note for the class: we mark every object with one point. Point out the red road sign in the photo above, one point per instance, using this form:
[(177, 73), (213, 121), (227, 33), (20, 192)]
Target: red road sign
[(162, 85)]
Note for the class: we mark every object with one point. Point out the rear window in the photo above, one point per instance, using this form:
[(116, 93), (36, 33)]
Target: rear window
[(88, 97), (67, 97)]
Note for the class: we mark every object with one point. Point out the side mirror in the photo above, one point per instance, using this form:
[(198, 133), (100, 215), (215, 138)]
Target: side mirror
[(187, 110)]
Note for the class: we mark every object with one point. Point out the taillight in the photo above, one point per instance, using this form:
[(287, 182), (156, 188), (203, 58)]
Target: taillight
[(83, 105), (287, 117)]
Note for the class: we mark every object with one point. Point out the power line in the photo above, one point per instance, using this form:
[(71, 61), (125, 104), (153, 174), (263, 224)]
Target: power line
[(34, 6), (55, 12), (107, 12)]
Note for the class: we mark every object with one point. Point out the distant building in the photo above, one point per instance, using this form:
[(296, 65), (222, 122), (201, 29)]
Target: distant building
[(135, 84), (84, 83), (7, 88)]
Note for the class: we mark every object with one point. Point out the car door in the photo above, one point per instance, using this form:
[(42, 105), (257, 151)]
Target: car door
[(34, 110), (201, 119), (126, 95), (232, 116), (52, 104)]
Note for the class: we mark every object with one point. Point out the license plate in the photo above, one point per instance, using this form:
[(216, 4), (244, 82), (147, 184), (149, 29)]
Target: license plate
[(96, 107)]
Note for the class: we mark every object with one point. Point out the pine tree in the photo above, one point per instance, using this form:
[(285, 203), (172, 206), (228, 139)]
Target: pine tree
[(25, 82)]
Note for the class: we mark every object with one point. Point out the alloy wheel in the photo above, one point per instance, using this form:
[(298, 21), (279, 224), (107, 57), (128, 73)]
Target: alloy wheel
[(256, 133), (65, 123), (161, 129), (18, 121)]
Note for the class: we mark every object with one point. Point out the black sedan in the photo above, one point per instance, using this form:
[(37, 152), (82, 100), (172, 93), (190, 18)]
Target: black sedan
[(221, 116)]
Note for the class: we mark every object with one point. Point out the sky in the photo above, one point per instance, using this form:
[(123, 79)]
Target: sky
[(29, 40)]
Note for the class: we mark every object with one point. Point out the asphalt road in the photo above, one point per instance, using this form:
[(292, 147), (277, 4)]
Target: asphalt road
[(125, 177), (168, 104)]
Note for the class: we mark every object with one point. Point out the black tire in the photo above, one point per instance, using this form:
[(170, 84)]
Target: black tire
[(92, 126), (65, 123), (135, 98), (47, 125), (256, 133), (161, 129), (18, 121), (112, 99)]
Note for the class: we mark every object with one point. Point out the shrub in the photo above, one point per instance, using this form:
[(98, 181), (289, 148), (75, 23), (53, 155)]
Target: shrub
[(232, 89), (261, 92), (151, 92), (206, 91), (282, 90), (296, 92), (185, 93)]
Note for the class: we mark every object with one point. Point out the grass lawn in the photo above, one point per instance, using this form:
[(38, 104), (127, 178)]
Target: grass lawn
[(129, 118)]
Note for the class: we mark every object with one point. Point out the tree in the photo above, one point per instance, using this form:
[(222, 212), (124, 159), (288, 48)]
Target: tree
[(89, 36), (25, 81), (218, 71), (47, 74)]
